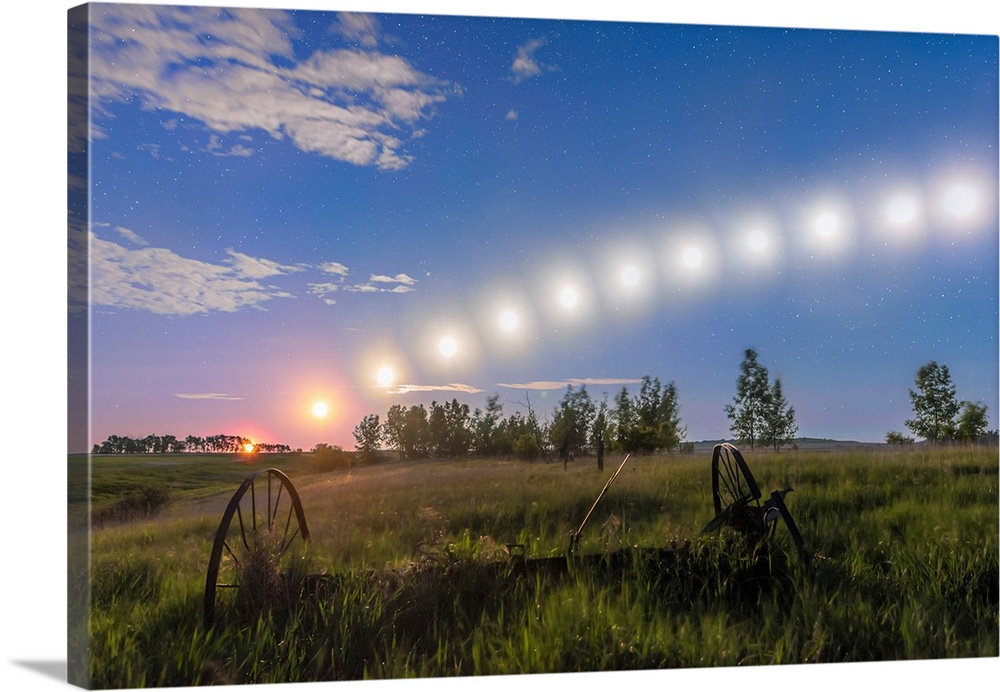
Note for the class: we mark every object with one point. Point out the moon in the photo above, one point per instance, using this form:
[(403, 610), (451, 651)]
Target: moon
[(448, 347), (385, 376)]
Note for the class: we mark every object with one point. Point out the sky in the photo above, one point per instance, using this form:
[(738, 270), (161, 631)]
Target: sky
[(34, 306), (292, 208)]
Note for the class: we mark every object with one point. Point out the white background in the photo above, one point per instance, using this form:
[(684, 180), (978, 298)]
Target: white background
[(33, 333)]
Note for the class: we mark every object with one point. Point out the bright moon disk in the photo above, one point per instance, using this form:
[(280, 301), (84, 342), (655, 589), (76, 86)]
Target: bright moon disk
[(448, 347), (508, 320), (320, 409), (568, 297), (630, 276), (692, 258), (385, 376)]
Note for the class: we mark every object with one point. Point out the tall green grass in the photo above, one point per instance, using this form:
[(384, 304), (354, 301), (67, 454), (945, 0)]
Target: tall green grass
[(411, 577)]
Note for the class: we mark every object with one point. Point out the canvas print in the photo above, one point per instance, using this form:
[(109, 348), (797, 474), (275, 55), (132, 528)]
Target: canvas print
[(433, 346)]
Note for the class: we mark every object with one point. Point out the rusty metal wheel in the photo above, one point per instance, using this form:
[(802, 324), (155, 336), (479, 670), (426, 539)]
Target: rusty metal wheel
[(263, 524), (735, 494)]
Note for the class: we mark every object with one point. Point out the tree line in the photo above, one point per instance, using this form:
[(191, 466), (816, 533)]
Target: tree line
[(646, 422), (171, 444)]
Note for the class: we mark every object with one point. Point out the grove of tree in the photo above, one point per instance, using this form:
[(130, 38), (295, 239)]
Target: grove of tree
[(759, 413), (938, 416), (647, 422)]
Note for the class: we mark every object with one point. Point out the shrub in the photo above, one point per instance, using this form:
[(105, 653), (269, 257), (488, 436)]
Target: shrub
[(526, 447), (327, 458), (137, 503)]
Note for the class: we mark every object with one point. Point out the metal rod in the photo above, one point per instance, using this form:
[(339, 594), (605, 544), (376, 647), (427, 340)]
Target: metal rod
[(575, 538)]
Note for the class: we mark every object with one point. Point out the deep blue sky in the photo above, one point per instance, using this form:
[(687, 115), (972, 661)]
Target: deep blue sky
[(285, 203)]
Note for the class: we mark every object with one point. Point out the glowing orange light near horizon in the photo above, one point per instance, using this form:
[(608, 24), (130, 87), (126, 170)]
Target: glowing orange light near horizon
[(249, 447), (320, 409)]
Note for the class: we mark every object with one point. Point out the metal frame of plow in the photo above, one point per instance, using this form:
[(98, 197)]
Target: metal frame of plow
[(736, 497)]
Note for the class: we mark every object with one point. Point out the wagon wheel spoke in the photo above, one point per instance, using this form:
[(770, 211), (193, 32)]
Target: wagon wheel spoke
[(735, 494), (249, 535)]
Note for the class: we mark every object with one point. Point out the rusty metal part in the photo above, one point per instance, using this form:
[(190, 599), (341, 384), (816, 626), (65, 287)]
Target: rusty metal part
[(255, 506)]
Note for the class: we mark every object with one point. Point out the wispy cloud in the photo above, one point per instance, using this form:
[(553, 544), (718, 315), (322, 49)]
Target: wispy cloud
[(212, 396), (525, 65), (161, 281), (323, 291), (381, 283), (358, 27), (562, 384), (337, 268), (236, 71), (410, 388), (131, 236), (257, 268), (397, 279), (137, 276)]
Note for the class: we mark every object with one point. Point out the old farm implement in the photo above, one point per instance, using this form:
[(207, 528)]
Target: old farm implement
[(264, 523)]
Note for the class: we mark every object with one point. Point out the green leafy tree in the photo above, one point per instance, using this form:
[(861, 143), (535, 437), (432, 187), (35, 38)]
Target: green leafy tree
[(437, 430), (368, 436), (485, 426), (669, 431), (526, 446), (457, 418), (749, 408), (897, 438), (599, 432), (779, 419), (972, 423), (934, 404), (571, 422), (415, 432), (393, 429), (624, 422)]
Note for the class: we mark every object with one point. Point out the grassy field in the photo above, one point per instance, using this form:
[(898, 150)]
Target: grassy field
[(902, 564)]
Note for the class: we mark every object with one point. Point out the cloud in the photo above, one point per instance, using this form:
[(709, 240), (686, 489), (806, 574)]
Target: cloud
[(216, 148), (410, 388), (323, 291), (404, 284), (337, 268), (562, 384), (212, 396), (159, 280), (398, 279), (236, 71), (256, 268), (358, 27), (131, 236), (525, 66)]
